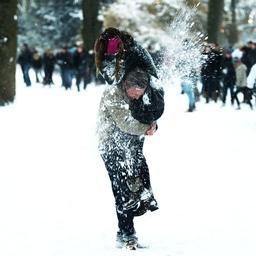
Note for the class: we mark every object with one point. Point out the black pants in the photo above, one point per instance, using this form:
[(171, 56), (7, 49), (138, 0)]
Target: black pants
[(48, 71), (25, 70), (79, 77), (82, 75), (123, 163), (227, 87), (211, 88), (66, 77), (247, 92)]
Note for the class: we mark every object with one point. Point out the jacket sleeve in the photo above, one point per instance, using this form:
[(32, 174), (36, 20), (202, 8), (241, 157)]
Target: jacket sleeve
[(119, 111), (251, 79)]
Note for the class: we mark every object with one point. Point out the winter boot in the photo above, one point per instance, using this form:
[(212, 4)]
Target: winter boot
[(130, 242), (133, 244), (119, 240)]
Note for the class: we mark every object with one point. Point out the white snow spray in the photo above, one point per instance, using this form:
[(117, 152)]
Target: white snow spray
[(182, 47)]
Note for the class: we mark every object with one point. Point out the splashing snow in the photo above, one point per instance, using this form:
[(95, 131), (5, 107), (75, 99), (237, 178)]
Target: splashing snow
[(181, 47)]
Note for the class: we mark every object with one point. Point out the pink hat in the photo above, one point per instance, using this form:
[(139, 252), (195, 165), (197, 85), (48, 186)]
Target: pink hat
[(113, 45)]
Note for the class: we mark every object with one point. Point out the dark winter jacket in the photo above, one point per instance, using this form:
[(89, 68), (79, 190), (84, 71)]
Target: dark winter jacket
[(64, 59), (252, 57), (139, 57), (211, 68), (81, 61), (25, 57), (150, 107), (229, 73), (246, 58), (49, 61), (36, 61)]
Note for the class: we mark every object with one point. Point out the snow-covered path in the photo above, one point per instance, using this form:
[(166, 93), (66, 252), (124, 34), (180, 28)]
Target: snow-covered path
[(55, 196)]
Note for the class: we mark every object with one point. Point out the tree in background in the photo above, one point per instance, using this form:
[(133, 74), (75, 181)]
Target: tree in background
[(49, 23), (214, 23), (8, 45), (91, 24), (246, 20), (233, 35)]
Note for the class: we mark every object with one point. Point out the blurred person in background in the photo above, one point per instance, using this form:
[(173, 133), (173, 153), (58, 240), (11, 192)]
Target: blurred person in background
[(36, 63), (25, 60), (228, 76), (251, 80), (65, 61), (249, 55), (49, 61), (241, 83), (211, 72), (81, 64)]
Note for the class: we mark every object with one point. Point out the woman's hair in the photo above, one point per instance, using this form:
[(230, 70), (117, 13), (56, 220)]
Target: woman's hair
[(137, 78), (101, 46)]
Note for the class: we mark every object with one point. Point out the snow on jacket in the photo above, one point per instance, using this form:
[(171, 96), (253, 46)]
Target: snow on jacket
[(241, 79), (115, 116), (251, 79)]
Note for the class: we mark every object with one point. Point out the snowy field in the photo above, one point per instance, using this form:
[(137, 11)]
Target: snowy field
[(55, 195)]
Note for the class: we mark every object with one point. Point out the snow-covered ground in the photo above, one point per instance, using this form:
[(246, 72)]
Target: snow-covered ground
[(55, 195)]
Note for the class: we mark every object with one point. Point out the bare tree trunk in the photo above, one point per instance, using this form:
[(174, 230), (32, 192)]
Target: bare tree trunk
[(233, 38), (214, 20), (91, 26), (8, 45)]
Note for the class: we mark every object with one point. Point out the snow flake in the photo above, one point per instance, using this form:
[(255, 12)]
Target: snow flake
[(146, 100)]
